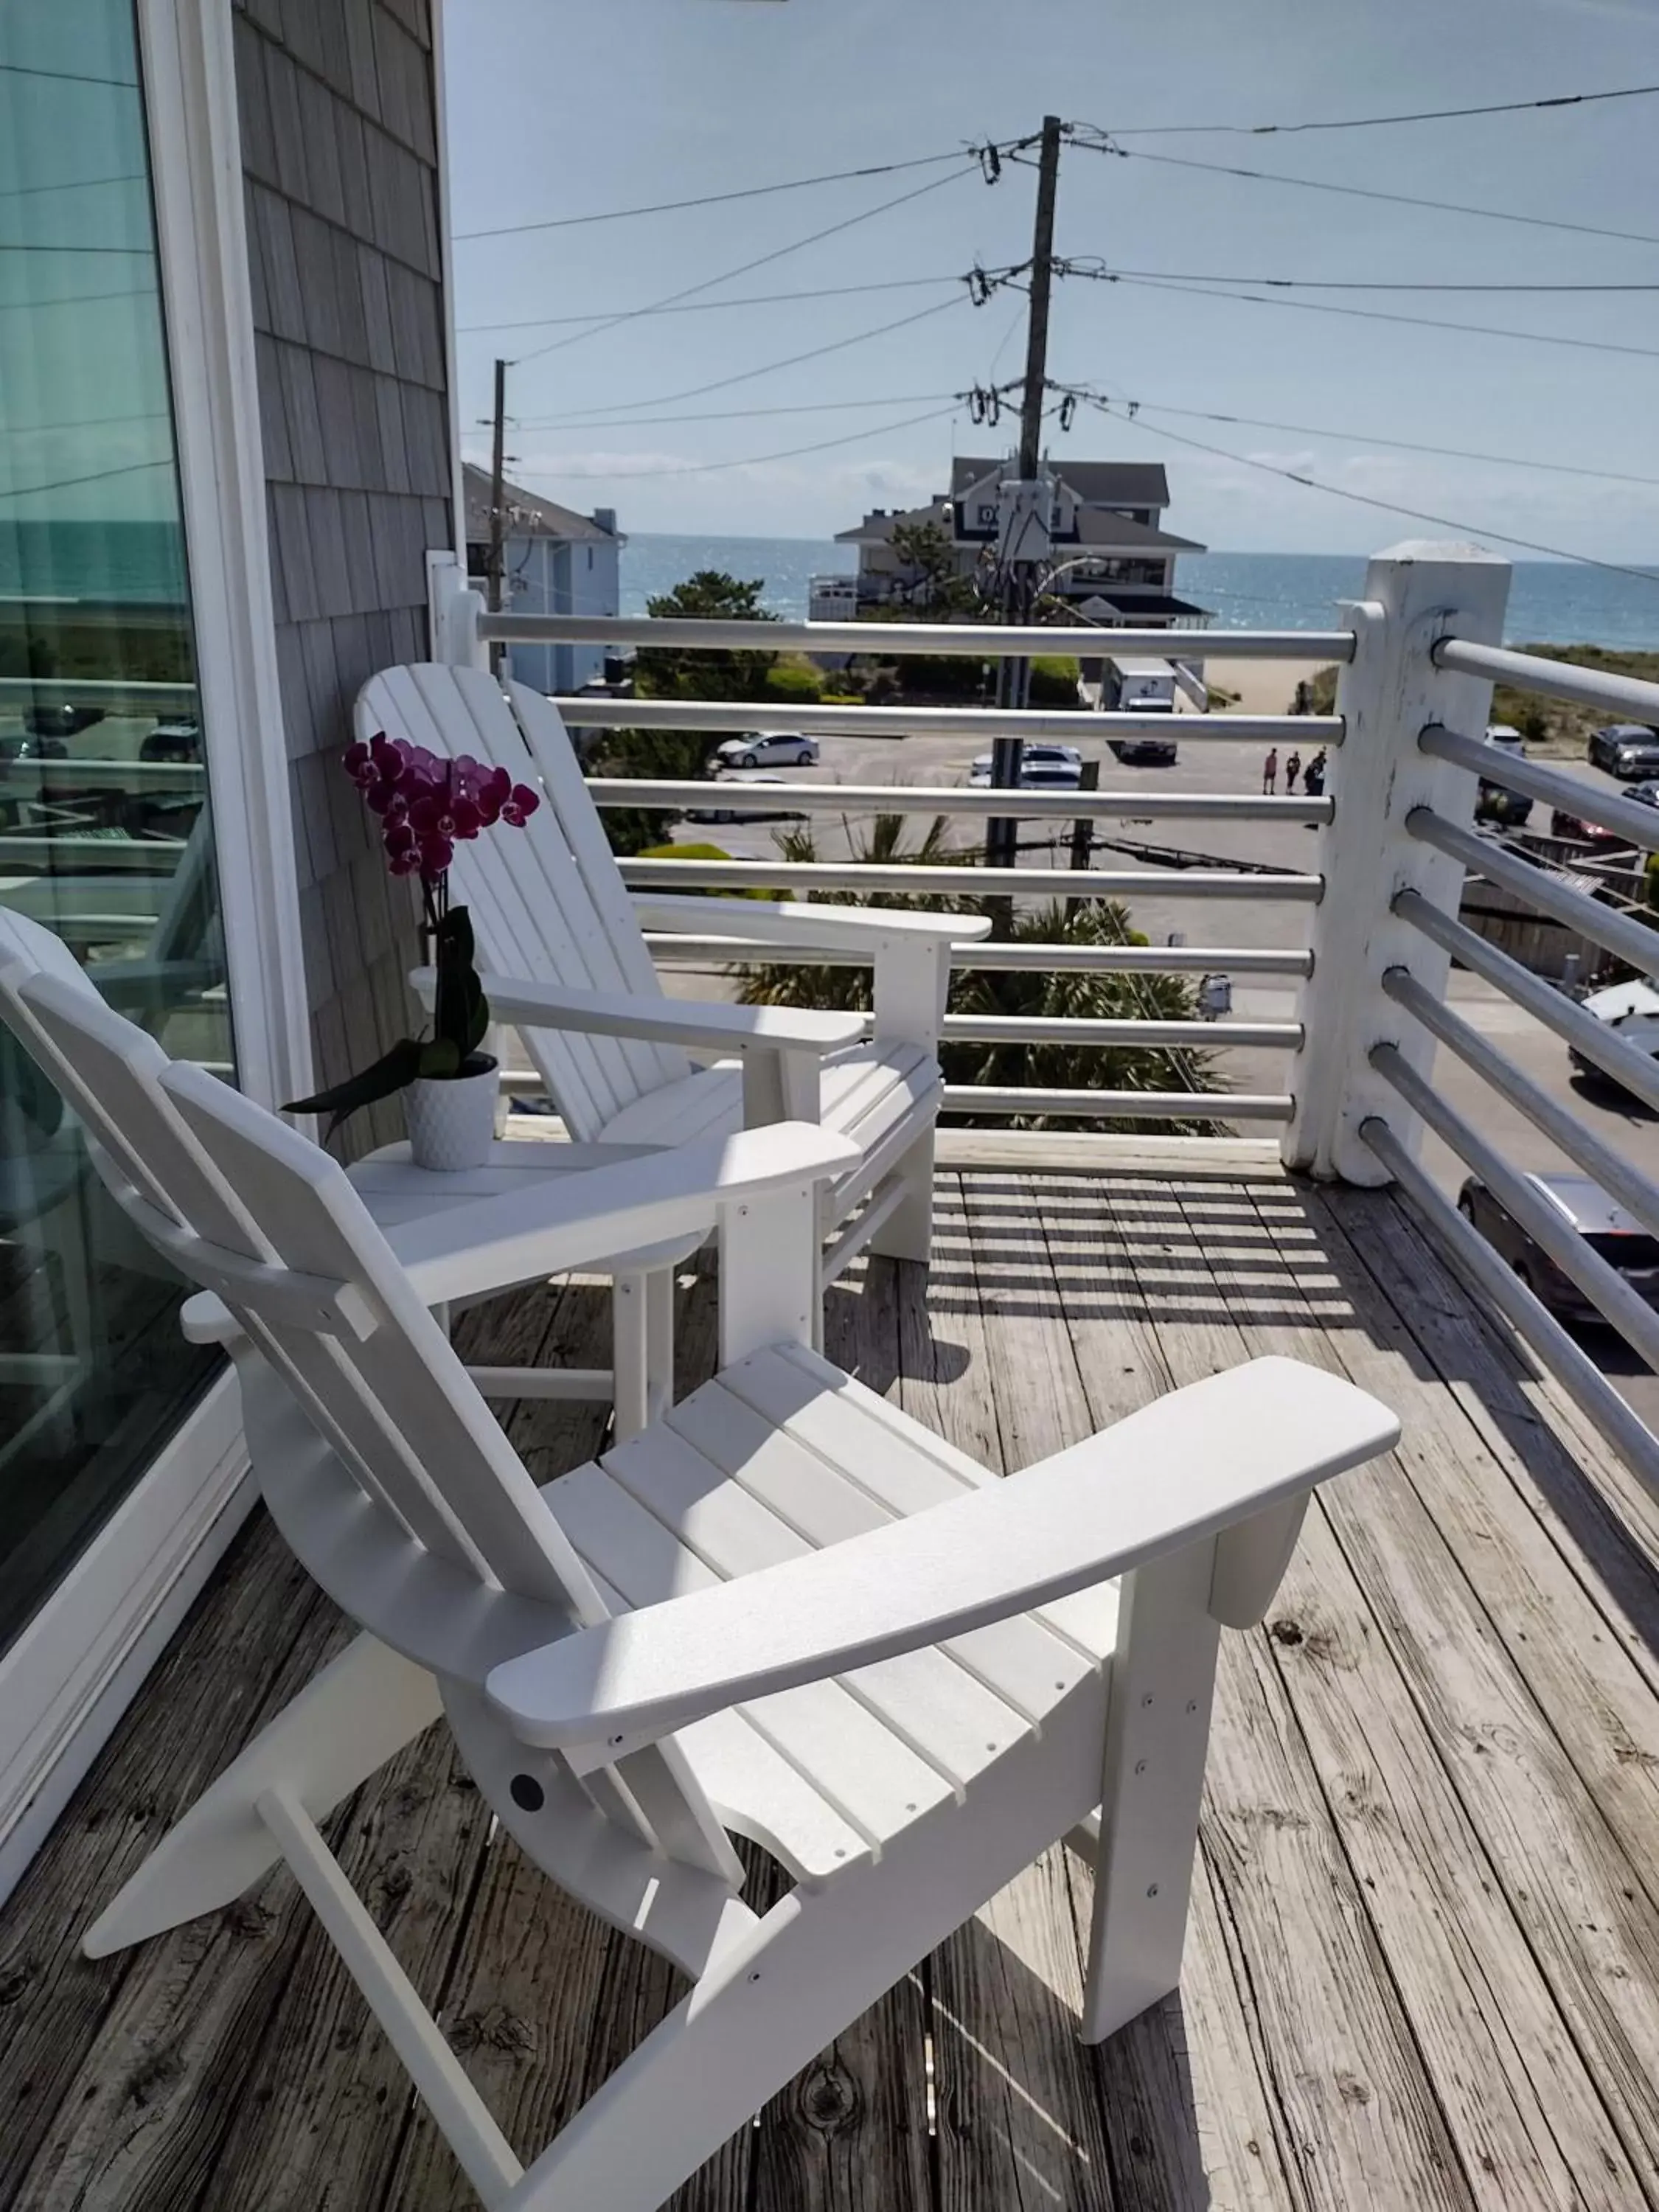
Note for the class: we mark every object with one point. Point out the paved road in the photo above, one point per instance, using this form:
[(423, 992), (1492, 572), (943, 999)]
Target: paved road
[(1227, 767)]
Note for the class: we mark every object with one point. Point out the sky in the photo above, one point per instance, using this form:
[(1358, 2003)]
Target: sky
[(566, 108)]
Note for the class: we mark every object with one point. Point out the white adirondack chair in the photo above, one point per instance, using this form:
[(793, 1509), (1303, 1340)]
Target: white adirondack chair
[(784, 1611), (556, 923)]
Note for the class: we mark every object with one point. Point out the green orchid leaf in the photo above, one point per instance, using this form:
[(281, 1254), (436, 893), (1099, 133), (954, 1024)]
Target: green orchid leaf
[(394, 1072), (440, 1058)]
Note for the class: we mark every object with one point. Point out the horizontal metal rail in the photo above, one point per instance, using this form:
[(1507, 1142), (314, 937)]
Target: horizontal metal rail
[(1594, 802), (978, 641), (669, 950), (662, 875), (134, 777), (1079, 1029), (1555, 680), (1561, 1356), (722, 718), (1597, 1042), (1630, 940), (1602, 1284), (1045, 806), (1121, 1105), (116, 695), (1617, 1176)]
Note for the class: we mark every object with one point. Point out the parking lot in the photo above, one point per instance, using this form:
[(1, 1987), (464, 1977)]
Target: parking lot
[(1210, 766)]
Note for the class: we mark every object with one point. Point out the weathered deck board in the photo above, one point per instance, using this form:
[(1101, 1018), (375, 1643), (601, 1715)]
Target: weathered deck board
[(1425, 1951), (1522, 2106)]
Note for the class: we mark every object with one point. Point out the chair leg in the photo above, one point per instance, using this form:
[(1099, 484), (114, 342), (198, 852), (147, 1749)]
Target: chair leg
[(1157, 1734), (908, 1231), (659, 1342), (630, 1353), (363, 1708)]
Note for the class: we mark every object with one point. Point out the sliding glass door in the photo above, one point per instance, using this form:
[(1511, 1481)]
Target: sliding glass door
[(106, 831)]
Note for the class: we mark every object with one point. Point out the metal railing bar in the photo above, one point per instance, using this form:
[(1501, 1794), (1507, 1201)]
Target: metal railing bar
[(1616, 1174), (1560, 1355), (1592, 801), (978, 641), (1630, 940), (1136, 1030), (669, 950), (1606, 1289), (1639, 1071), (1056, 726), (953, 798), (1121, 1105), (970, 881), (1555, 680)]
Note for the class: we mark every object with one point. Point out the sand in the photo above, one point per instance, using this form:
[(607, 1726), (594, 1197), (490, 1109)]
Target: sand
[(1265, 687)]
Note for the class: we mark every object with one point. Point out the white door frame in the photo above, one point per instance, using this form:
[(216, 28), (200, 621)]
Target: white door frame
[(70, 1674)]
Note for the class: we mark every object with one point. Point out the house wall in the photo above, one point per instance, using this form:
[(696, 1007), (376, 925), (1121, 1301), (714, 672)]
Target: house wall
[(549, 576), (340, 161)]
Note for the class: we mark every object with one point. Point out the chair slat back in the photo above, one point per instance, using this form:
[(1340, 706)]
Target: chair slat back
[(243, 1205), (547, 902), (118, 1104)]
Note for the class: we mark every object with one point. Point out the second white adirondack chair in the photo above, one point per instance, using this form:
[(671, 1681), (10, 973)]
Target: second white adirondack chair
[(785, 1611), (559, 930)]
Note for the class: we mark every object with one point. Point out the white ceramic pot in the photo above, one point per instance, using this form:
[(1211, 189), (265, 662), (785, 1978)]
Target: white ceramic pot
[(452, 1123)]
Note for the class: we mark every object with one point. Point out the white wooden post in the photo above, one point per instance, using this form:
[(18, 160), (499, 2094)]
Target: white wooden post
[(911, 984), (1415, 594)]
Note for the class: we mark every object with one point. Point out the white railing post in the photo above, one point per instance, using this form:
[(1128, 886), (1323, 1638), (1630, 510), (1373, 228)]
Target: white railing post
[(1415, 594), (453, 610)]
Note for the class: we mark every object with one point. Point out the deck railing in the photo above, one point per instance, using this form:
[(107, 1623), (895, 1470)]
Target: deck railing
[(1395, 842)]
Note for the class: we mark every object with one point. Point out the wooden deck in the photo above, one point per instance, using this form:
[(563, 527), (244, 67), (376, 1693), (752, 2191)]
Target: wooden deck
[(1423, 1965)]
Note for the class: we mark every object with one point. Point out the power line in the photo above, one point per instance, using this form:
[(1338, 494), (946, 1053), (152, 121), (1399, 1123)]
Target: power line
[(1386, 505), (728, 414), (748, 299), (1368, 438), (81, 423), (1417, 322), (749, 461), (1328, 284), (66, 76), (36, 245), (655, 307), (718, 199), (75, 300), (791, 361), (65, 484), (1370, 192), (1377, 122), (76, 185)]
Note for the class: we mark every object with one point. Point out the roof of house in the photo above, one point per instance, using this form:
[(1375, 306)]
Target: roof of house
[(1098, 484), (529, 515), (1141, 606), (877, 528)]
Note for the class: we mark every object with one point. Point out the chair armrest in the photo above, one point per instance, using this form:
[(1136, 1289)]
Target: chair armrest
[(1200, 1462), (692, 1022), (549, 1226), (838, 928)]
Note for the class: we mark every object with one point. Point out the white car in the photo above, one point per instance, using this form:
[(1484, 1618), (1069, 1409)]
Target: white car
[(1041, 768), (755, 749), (1507, 738), (1630, 1008)]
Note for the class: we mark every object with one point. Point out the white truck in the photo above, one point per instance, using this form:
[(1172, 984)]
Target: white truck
[(1141, 687)]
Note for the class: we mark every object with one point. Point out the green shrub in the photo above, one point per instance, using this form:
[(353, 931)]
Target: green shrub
[(792, 679)]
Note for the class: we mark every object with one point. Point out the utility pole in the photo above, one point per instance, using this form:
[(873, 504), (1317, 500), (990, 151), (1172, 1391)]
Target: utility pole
[(1014, 677), (497, 570)]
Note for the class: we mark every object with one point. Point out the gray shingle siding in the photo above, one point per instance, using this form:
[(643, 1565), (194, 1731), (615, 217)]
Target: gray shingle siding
[(339, 150)]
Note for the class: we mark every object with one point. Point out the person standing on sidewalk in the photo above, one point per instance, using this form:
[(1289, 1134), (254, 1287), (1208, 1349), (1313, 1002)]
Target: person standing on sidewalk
[(1314, 782), (1292, 770), (1270, 773)]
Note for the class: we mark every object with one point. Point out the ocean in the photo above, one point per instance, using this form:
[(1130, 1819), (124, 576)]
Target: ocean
[(1551, 602)]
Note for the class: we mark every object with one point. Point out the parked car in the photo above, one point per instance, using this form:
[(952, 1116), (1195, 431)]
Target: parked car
[(1584, 1207), (1630, 1008), (1143, 752), (1627, 750), (779, 749), (65, 721), (178, 741), (718, 813), (1564, 824), (1645, 794), (1041, 768), (1507, 738), (1495, 802)]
